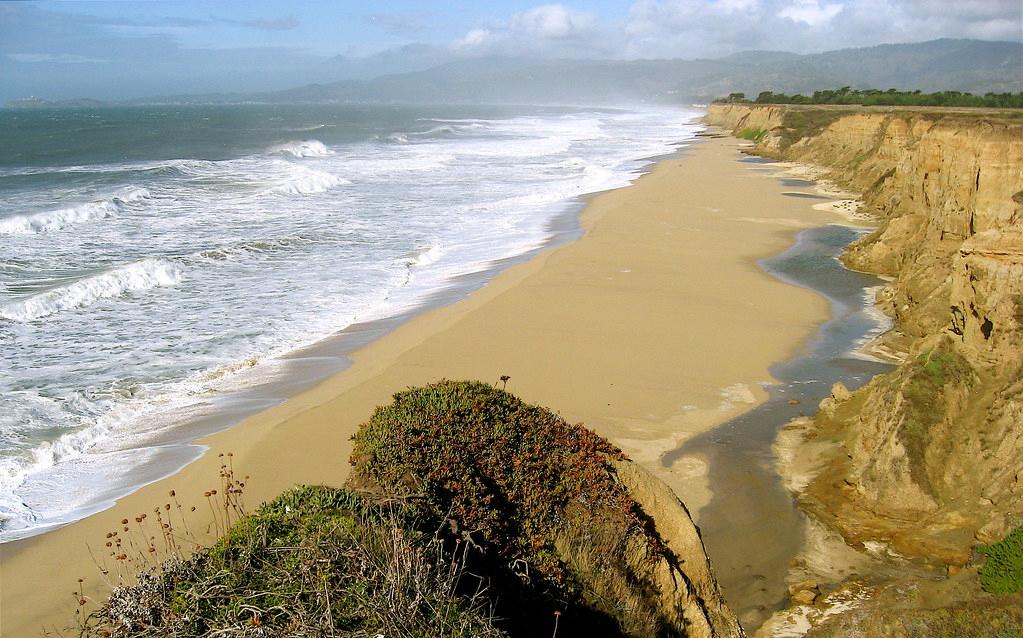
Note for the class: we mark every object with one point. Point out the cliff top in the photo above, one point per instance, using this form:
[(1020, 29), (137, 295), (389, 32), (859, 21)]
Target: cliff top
[(1006, 115)]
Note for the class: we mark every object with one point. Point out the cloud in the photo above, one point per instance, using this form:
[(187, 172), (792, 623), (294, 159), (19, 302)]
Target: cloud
[(281, 23), (715, 28), (47, 53), (697, 28), (271, 23), (399, 24), (811, 12), (545, 30), (475, 39), (54, 58), (554, 21), (731, 6)]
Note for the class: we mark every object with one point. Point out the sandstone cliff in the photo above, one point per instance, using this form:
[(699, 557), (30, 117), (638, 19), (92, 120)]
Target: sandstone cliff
[(932, 453)]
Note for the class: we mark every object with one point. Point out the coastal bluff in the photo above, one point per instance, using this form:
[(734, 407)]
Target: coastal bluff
[(929, 457), (468, 512)]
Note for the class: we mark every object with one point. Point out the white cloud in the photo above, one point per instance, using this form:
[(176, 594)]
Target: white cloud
[(552, 21), (551, 29), (730, 6), (714, 28), (54, 58), (711, 28), (811, 12), (475, 39)]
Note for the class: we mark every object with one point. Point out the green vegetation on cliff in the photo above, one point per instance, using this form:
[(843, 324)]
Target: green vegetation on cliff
[(928, 379), (468, 513), (1002, 572), (752, 134), (876, 97), (314, 562)]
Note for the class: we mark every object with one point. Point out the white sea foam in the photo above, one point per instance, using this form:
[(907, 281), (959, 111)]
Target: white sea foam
[(64, 217), (882, 323), (138, 276), (307, 148), (307, 181), (254, 247), (278, 255)]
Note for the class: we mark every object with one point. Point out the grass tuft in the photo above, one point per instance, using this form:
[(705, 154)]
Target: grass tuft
[(752, 134), (1002, 572)]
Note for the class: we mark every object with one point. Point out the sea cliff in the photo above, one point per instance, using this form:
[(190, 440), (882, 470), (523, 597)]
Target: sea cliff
[(928, 459)]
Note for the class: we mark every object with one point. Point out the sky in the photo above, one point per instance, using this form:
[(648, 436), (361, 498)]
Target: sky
[(125, 49)]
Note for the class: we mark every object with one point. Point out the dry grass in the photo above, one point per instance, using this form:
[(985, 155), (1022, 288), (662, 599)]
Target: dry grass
[(314, 562)]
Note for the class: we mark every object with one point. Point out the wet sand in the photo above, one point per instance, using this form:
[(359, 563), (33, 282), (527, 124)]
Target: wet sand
[(652, 328)]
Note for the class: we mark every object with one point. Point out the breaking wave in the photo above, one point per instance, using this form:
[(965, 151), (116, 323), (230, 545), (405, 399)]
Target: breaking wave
[(306, 148), (141, 275), (64, 217), (306, 181)]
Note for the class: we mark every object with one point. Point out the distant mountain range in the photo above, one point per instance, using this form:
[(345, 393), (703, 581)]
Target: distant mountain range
[(974, 66)]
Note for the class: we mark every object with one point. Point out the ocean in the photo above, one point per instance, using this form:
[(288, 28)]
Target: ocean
[(155, 261)]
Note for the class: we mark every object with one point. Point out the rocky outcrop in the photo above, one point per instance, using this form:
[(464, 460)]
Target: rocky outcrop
[(931, 459), (685, 574)]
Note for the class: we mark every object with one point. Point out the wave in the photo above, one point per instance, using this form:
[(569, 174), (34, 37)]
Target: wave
[(306, 129), (138, 276), (305, 181), (307, 148), (442, 131), (447, 129), (426, 256), (255, 247), (64, 217)]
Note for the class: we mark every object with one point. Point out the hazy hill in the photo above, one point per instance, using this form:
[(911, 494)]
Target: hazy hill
[(965, 65), (975, 66)]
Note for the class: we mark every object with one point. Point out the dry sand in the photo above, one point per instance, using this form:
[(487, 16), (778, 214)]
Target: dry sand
[(655, 325)]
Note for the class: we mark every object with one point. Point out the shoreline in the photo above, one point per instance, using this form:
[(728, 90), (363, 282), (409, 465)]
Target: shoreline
[(632, 302), (249, 389)]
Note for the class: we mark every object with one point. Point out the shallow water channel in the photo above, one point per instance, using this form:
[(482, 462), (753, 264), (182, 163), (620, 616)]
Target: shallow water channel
[(752, 527)]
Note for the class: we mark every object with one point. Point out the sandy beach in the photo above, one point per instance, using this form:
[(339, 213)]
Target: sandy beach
[(653, 327)]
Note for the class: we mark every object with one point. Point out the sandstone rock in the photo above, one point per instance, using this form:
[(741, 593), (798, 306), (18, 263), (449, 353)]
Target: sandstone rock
[(804, 592), (803, 585), (994, 531), (689, 592), (805, 597), (827, 406), (839, 392)]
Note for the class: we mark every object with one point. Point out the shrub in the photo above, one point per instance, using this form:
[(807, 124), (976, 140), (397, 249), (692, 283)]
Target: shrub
[(891, 97), (500, 470), (1002, 572)]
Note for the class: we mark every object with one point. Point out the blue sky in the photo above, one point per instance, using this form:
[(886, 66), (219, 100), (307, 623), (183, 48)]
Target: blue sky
[(128, 48)]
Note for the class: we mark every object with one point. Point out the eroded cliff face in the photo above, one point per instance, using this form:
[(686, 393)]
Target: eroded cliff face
[(931, 458)]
